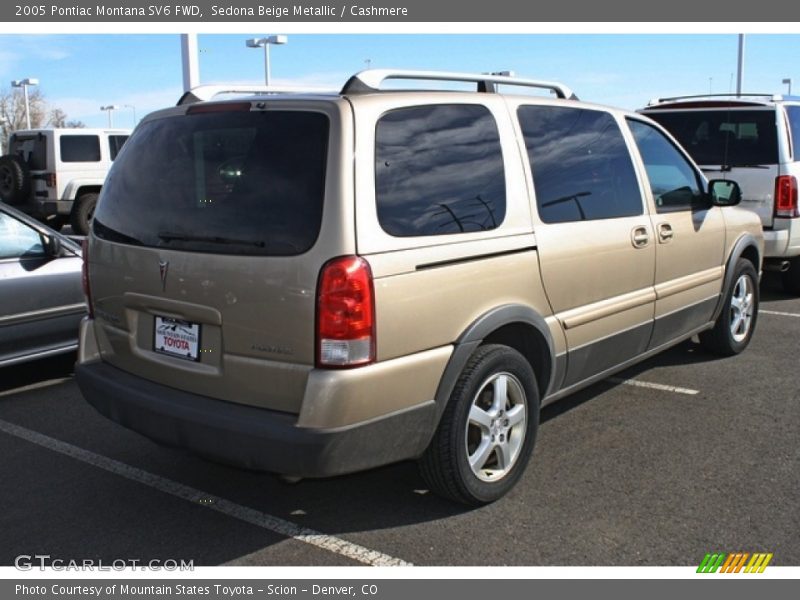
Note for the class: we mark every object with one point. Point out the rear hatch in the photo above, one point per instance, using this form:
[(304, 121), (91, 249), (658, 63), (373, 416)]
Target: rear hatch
[(731, 142), (32, 148), (204, 256)]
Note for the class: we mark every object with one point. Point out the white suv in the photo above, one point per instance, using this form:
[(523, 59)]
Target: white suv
[(755, 141), (56, 175)]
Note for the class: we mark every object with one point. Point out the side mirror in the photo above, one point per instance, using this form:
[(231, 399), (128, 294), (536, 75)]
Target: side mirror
[(724, 192), (52, 245)]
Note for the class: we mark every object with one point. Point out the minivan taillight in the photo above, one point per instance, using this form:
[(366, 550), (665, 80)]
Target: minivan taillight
[(345, 313), (87, 290), (786, 196)]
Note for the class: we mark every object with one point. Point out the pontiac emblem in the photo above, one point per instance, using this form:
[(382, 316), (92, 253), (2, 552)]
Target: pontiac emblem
[(163, 267)]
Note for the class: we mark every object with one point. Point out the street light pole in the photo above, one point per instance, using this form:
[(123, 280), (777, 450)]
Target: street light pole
[(788, 81), (740, 66), (266, 42), (133, 108), (24, 83), (110, 108)]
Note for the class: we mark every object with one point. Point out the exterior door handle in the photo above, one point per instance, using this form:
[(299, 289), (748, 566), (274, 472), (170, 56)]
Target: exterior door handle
[(665, 233), (639, 237)]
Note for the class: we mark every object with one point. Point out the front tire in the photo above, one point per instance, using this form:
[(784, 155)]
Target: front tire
[(737, 321), (487, 432)]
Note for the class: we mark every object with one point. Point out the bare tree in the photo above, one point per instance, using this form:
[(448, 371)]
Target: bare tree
[(12, 113), (12, 108)]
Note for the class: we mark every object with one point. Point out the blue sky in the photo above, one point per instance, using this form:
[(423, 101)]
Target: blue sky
[(81, 72)]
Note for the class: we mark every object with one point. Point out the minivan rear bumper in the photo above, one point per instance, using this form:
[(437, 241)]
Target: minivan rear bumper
[(251, 437)]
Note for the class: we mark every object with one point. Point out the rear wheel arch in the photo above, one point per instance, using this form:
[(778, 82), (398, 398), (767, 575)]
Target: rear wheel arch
[(516, 326)]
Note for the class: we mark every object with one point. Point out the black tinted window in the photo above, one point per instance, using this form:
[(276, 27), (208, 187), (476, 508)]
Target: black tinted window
[(673, 180), (115, 144), (80, 148), (33, 150), (793, 112), (724, 137), (580, 163), (439, 170), (221, 182)]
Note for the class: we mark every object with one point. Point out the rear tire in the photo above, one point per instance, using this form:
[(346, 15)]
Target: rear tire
[(487, 432), (82, 213), (737, 321), (791, 278), (57, 222), (15, 180)]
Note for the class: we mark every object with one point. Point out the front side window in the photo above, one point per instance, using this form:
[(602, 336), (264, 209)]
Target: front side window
[(227, 182), (17, 240), (727, 137), (439, 170), (673, 180), (580, 163), (80, 148)]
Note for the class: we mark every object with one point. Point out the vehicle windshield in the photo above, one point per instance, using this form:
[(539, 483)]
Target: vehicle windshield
[(226, 182), (729, 138)]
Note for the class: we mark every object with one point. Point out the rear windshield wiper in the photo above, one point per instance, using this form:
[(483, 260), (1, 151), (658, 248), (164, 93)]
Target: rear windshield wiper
[(726, 168), (169, 236)]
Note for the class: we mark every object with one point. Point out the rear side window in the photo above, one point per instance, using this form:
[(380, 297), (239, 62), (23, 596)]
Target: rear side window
[(115, 144), (581, 166), (793, 112), (439, 170), (220, 182), (724, 137), (79, 148)]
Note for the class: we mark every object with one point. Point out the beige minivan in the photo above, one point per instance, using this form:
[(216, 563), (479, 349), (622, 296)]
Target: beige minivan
[(318, 284)]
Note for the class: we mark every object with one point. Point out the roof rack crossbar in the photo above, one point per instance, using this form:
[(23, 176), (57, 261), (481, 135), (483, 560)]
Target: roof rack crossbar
[(695, 96), (369, 81), (202, 93)]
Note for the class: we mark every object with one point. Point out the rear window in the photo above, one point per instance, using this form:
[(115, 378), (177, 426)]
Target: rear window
[(32, 150), (220, 182), (724, 137), (80, 148)]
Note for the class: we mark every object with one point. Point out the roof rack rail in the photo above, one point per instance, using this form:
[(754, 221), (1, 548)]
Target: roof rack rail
[(730, 95), (202, 93), (369, 81)]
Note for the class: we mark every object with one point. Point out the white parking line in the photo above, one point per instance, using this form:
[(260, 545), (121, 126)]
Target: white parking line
[(35, 386), (780, 314), (654, 386), (179, 490)]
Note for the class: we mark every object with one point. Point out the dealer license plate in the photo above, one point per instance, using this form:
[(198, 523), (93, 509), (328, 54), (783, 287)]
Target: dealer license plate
[(177, 338)]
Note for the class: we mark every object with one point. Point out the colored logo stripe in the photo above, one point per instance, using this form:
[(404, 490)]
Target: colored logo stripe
[(758, 563), (734, 562)]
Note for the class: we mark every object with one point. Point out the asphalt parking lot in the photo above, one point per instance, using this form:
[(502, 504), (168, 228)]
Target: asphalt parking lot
[(624, 473)]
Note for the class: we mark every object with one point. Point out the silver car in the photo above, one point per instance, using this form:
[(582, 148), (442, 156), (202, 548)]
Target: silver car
[(41, 297)]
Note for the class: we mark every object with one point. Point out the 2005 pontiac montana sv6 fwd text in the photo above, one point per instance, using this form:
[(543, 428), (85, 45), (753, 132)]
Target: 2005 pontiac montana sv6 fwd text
[(318, 284)]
